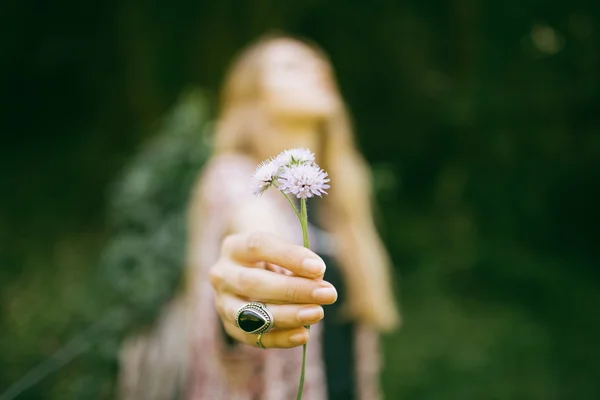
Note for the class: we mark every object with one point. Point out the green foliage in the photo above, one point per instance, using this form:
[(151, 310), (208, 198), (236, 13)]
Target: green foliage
[(480, 120), (144, 258), (141, 263)]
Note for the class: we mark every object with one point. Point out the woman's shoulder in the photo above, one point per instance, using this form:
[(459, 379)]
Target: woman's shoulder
[(227, 175)]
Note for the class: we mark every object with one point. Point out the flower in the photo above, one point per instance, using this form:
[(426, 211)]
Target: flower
[(265, 175), (303, 181), (294, 157), (294, 172)]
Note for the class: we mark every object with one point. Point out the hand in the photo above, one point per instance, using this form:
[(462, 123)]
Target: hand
[(287, 278)]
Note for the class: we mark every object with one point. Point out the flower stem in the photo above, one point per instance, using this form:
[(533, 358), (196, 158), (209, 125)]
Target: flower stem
[(294, 208), (301, 384), (291, 203), (304, 223)]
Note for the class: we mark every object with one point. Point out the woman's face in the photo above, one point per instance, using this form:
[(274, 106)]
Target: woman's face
[(295, 82)]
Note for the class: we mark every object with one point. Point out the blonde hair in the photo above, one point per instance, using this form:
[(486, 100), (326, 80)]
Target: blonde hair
[(154, 363), (243, 127)]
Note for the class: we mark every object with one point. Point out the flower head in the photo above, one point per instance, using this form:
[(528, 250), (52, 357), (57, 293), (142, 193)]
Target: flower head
[(294, 157), (303, 181), (265, 175)]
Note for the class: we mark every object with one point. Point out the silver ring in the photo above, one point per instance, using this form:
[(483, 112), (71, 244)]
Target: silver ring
[(259, 342), (254, 318)]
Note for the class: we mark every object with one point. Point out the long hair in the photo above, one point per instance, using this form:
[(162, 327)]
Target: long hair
[(154, 363), (243, 126)]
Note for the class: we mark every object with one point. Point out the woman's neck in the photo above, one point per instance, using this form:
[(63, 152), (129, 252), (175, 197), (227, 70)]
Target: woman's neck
[(296, 133)]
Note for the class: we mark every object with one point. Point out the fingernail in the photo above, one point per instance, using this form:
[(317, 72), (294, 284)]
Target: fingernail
[(310, 314), (325, 295), (314, 266), (299, 338)]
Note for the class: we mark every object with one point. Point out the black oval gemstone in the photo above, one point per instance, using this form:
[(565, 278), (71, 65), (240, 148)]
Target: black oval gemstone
[(250, 321)]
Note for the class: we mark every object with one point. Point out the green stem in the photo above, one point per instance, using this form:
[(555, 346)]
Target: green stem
[(304, 223), (301, 384), (293, 207), (289, 201)]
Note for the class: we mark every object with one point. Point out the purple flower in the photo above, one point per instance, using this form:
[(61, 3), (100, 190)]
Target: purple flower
[(265, 175), (303, 181), (295, 156)]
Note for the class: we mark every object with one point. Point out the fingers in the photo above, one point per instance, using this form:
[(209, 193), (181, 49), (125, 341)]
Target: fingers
[(271, 287), (277, 268), (258, 246), (281, 338), (285, 316), (286, 277)]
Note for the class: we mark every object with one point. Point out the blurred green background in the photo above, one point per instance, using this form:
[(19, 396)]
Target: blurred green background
[(481, 121)]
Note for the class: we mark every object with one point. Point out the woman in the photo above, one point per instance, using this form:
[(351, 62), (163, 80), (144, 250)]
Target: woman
[(281, 94)]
